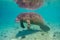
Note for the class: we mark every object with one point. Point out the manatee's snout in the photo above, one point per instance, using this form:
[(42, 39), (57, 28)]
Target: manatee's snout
[(17, 20)]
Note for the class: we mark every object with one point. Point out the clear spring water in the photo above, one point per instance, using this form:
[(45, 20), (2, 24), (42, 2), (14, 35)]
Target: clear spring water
[(50, 11)]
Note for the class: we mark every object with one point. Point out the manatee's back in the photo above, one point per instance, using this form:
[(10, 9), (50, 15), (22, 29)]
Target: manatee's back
[(34, 18)]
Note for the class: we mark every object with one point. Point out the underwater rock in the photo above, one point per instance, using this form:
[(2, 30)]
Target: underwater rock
[(30, 4), (35, 38), (1, 35), (42, 34), (56, 36), (5, 36)]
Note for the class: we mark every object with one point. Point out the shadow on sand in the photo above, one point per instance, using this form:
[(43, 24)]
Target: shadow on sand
[(25, 33)]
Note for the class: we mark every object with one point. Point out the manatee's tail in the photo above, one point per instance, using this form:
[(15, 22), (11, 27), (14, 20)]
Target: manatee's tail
[(21, 23), (45, 28)]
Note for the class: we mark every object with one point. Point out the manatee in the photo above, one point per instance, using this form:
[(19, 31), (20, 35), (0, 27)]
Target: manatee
[(32, 18), (29, 4)]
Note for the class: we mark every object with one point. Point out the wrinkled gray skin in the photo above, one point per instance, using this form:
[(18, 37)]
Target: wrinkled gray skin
[(32, 18)]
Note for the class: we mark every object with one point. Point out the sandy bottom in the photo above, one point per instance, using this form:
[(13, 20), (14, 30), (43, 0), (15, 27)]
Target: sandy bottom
[(10, 32)]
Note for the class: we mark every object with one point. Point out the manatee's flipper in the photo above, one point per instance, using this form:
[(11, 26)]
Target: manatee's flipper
[(21, 23), (28, 22), (45, 28)]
